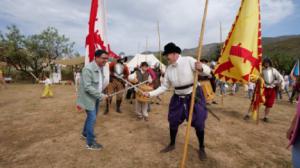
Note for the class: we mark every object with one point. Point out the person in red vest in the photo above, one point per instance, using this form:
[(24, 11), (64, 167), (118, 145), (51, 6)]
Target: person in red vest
[(118, 73)]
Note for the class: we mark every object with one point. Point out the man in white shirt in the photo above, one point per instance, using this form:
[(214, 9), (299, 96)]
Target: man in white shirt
[(180, 75), (273, 80)]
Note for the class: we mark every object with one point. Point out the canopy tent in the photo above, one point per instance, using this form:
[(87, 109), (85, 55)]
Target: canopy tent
[(149, 58), (56, 76), (3, 64), (71, 61)]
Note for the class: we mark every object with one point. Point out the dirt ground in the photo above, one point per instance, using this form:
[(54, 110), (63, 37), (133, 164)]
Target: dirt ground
[(45, 133)]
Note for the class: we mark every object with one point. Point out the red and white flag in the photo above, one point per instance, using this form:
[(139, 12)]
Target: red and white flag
[(96, 38)]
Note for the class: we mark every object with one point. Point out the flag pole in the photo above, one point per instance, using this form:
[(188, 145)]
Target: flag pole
[(258, 84), (146, 49), (222, 94), (159, 45), (191, 110)]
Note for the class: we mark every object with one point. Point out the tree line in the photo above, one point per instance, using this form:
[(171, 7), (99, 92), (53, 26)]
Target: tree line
[(32, 54)]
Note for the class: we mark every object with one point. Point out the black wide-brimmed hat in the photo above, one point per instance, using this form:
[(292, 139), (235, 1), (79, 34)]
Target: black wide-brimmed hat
[(267, 60), (171, 48)]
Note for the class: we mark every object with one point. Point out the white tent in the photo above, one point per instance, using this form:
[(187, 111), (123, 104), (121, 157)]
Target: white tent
[(56, 75), (149, 58)]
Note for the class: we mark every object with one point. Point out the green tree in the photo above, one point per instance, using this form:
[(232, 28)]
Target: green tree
[(12, 49), (33, 54), (55, 45)]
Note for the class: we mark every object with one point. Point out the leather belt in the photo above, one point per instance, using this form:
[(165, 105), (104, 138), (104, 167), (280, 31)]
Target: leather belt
[(184, 87)]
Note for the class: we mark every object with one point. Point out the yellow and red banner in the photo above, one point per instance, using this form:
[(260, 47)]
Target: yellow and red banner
[(242, 52), (258, 96)]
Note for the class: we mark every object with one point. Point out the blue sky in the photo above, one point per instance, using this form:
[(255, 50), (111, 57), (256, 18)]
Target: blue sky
[(288, 26), (131, 22)]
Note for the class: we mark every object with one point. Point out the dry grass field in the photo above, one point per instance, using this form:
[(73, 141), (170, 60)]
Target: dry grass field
[(45, 133)]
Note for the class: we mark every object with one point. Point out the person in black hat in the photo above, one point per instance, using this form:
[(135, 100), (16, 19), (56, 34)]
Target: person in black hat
[(180, 75)]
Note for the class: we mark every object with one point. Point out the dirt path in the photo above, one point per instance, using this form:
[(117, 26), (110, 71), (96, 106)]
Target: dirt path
[(45, 133)]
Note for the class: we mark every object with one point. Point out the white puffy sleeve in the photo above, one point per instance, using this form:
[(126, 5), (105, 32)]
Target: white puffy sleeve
[(206, 69), (132, 77), (279, 78), (164, 86)]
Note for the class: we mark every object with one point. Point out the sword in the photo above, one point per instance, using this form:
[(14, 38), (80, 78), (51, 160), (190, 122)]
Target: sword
[(121, 91), (128, 83), (211, 112)]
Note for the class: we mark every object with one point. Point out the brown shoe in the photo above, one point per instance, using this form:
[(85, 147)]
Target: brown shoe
[(106, 111), (167, 149), (202, 154), (246, 117), (139, 118), (265, 119), (118, 106), (146, 118)]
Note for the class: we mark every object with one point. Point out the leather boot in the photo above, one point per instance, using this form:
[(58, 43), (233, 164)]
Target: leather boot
[(118, 103), (171, 146), (106, 107)]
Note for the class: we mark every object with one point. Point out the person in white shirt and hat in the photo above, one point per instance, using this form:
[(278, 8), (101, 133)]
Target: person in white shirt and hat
[(180, 75)]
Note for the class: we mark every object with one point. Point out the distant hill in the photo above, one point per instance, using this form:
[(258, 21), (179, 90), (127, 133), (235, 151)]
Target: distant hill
[(270, 40), (282, 42), (283, 50)]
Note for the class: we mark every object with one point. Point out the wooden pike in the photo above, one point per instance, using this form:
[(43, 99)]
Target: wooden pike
[(199, 52), (221, 39), (159, 45)]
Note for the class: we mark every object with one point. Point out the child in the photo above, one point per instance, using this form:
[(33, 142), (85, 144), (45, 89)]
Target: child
[(141, 75), (293, 134), (251, 87), (47, 89)]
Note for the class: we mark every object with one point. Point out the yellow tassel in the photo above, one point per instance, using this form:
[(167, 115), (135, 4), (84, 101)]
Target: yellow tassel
[(254, 115)]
